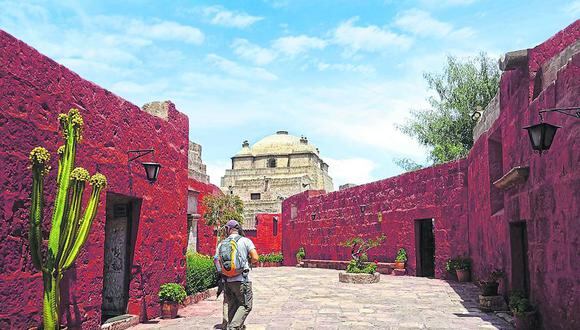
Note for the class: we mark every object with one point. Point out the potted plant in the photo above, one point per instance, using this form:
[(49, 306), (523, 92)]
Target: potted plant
[(359, 270), (489, 286), (523, 311), (170, 296), (300, 255), (462, 268), (401, 259)]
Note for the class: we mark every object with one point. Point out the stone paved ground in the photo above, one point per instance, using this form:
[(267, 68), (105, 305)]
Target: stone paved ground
[(306, 298)]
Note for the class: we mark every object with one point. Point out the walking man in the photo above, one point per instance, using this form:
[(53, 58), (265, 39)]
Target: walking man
[(233, 257)]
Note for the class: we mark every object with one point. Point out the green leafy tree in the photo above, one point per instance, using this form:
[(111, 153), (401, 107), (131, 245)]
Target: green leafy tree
[(359, 248), (70, 228), (219, 209), (447, 128)]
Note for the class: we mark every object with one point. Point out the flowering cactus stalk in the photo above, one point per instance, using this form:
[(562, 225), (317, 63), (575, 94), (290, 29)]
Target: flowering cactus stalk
[(69, 229)]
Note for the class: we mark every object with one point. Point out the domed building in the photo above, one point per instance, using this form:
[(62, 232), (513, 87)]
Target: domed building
[(276, 167)]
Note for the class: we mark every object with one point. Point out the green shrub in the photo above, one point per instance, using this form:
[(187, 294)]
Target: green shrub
[(368, 268), (201, 273), (300, 254), (401, 255), (172, 292), (454, 264), (519, 304), (271, 257)]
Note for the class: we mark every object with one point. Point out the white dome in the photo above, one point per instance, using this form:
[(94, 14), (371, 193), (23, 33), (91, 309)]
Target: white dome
[(280, 143)]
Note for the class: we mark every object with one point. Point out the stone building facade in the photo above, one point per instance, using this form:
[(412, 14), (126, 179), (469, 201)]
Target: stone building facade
[(276, 167)]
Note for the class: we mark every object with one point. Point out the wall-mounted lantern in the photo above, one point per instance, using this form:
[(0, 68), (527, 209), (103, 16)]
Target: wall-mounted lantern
[(151, 169), (362, 207), (542, 134), (313, 216)]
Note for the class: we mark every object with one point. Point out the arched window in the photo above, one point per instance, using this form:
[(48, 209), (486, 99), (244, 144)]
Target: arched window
[(272, 162)]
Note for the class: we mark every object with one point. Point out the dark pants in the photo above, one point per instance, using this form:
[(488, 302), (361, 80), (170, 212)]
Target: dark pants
[(237, 304)]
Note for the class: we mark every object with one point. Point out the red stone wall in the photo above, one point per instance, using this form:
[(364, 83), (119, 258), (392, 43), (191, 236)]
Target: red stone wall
[(549, 201), (438, 192), (471, 217), (33, 91), (206, 241), (263, 236)]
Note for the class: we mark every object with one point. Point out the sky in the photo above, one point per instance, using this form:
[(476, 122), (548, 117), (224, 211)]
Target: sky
[(343, 73)]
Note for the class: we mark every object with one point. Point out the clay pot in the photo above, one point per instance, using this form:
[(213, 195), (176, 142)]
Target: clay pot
[(489, 288), (463, 275), (169, 309), (526, 321), (399, 265)]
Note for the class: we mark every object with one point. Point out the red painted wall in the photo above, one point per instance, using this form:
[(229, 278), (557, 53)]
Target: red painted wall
[(438, 192), (549, 201), (33, 91), (206, 241), (264, 238), (459, 196)]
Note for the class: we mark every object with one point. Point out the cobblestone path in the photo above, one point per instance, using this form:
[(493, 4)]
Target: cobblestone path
[(296, 298)]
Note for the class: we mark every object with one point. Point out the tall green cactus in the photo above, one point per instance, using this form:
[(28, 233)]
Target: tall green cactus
[(69, 230)]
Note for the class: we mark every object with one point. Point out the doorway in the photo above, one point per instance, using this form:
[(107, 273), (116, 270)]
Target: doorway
[(120, 230), (425, 247), (520, 276)]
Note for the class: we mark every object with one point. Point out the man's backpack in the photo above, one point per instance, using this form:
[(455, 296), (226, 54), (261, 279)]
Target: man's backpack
[(230, 259)]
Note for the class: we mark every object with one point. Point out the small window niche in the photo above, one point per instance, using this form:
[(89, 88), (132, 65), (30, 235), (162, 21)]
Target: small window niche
[(293, 212), (275, 226), (255, 196), (495, 159), (271, 162)]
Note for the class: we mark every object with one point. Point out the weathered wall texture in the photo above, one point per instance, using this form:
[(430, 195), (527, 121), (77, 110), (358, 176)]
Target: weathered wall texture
[(33, 91), (438, 192), (549, 201), (471, 215)]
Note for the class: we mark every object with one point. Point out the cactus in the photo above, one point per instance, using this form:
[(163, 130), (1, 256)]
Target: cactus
[(69, 230)]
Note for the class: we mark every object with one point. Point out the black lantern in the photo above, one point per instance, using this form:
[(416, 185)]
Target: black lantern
[(363, 207), (313, 216), (541, 136), (152, 171)]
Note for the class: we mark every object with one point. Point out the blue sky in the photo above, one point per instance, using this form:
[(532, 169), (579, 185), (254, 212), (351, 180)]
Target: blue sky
[(342, 73)]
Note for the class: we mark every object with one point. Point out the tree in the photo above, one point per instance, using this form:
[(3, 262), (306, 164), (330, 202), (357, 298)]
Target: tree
[(219, 209), (446, 128)]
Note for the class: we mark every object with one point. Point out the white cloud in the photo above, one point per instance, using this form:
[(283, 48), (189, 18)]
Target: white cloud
[(252, 52), (420, 22), (220, 16), (165, 30), (345, 67), (350, 170), (294, 45), (234, 69), (368, 38), (217, 169)]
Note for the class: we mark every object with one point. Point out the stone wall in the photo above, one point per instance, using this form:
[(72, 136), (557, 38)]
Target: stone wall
[(548, 203), (206, 241), (197, 169), (473, 216), (321, 222), (33, 91)]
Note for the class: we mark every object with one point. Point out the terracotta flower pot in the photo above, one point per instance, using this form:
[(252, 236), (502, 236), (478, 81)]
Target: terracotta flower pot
[(463, 275), (526, 321), (169, 309), (399, 265)]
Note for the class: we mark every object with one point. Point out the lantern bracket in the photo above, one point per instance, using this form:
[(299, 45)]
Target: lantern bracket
[(140, 153), (564, 111)]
